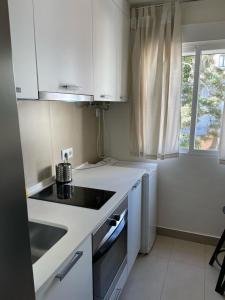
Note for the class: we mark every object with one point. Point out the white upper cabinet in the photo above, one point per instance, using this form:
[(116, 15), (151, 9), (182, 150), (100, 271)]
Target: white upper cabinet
[(70, 46), (23, 48), (63, 31), (105, 44), (111, 49), (123, 26)]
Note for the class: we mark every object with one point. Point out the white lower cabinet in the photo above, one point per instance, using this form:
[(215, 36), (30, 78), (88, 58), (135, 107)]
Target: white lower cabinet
[(133, 236), (134, 224), (120, 285), (74, 279), (73, 283)]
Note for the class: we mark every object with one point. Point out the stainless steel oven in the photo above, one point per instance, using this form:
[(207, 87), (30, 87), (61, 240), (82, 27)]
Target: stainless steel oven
[(110, 252)]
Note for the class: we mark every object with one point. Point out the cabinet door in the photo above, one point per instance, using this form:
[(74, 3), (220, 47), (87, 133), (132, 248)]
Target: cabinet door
[(23, 48), (134, 224), (123, 25), (63, 30), (119, 286), (77, 283), (105, 46), (152, 207)]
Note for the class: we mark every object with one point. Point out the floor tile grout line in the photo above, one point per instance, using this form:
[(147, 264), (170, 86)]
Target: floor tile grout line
[(167, 268), (169, 247)]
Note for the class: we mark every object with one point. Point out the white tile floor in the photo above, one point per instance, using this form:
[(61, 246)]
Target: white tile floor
[(175, 270)]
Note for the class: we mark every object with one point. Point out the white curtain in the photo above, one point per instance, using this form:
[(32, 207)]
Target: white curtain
[(156, 80)]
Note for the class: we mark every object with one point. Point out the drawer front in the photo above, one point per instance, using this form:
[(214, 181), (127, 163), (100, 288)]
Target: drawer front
[(72, 282)]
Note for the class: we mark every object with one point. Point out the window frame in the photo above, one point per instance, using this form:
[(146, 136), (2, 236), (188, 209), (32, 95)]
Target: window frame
[(196, 48)]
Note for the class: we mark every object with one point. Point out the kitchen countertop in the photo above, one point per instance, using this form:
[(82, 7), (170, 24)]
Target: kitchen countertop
[(79, 222)]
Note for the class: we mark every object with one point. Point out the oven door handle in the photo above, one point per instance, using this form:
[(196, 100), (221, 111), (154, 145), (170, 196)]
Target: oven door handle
[(111, 240)]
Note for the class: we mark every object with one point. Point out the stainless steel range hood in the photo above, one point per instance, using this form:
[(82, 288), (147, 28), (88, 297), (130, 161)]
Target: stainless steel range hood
[(65, 97)]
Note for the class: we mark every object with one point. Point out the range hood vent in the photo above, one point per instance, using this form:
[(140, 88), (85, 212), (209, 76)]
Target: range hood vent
[(64, 97)]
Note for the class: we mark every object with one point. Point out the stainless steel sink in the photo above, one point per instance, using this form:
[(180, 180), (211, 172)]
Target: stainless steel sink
[(42, 238)]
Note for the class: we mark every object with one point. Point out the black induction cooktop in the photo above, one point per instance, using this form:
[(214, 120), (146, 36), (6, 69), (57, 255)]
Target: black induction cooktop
[(74, 195)]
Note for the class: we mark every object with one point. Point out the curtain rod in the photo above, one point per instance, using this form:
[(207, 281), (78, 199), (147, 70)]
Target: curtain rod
[(144, 4)]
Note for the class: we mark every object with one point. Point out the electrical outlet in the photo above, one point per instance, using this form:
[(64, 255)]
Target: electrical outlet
[(68, 152)]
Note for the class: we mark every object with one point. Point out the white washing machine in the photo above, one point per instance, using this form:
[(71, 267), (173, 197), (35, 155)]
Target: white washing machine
[(149, 200)]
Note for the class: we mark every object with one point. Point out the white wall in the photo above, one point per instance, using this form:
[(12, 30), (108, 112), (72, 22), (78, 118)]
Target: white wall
[(191, 189), (204, 11), (203, 32), (203, 20), (192, 194)]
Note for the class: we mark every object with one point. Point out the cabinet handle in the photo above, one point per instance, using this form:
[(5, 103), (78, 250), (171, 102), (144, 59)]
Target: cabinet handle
[(66, 270), (136, 185), (105, 96), (70, 87), (124, 98)]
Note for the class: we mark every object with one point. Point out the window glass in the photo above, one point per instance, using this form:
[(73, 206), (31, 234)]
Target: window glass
[(188, 63), (222, 61), (211, 95)]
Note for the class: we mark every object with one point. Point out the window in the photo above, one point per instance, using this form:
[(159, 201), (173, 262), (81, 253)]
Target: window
[(203, 95), (222, 61)]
